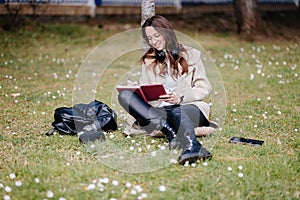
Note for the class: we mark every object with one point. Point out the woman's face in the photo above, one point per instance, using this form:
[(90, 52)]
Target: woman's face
[(155, 39)]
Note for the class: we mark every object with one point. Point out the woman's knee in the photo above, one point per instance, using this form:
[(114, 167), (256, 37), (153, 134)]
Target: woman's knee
[(124, 96), (177, 111)]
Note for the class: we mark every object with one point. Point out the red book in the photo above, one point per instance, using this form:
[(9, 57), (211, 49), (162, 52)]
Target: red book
[(148, 92)]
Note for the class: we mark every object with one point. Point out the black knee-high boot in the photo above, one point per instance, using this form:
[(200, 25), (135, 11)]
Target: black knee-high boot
[(192, 150), (170, 134), (148, 117)]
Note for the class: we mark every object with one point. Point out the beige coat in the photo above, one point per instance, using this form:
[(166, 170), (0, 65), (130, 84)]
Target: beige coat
[(193, 87)]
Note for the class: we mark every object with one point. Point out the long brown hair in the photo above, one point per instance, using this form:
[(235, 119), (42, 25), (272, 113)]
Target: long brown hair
[(163, 26)]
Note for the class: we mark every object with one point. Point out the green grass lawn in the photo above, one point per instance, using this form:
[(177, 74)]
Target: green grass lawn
[(38, 67)]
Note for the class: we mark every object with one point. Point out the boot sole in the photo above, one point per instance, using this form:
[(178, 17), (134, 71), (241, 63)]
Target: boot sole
[(193, 158)]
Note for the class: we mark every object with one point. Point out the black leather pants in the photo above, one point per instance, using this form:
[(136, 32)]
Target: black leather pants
[(183, 118)]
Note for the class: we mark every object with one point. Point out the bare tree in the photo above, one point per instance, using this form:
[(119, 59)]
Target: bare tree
[(148, 10), (249, 22), (13, 17), (12, 14)]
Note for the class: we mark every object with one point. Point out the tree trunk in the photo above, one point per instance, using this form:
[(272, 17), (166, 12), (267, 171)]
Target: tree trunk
[(148, 10), (249, 21)]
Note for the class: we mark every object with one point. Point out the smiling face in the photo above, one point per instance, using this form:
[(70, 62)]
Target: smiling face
[(155, 39)]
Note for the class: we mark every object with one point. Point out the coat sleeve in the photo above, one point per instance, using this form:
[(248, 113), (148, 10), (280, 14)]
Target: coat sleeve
[(194, 86)]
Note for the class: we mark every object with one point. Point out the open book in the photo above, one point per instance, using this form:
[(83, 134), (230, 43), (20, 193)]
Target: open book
[(148, 92)]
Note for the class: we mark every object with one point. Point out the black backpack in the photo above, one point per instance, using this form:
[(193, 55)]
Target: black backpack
[(95, 116)]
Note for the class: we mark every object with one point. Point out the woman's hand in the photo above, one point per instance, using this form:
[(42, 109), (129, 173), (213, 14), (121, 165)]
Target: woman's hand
[(170, 98)]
